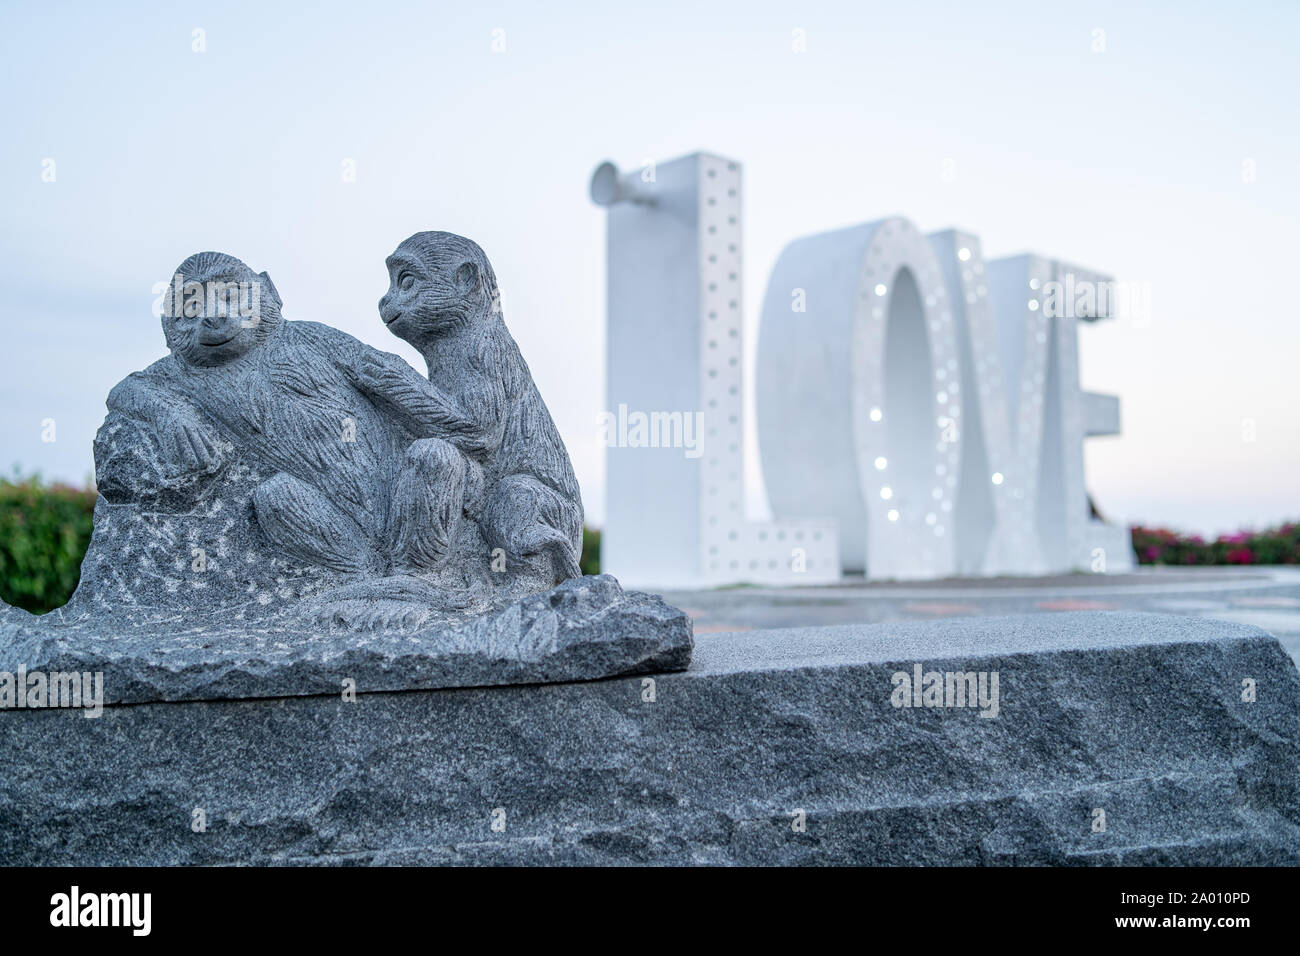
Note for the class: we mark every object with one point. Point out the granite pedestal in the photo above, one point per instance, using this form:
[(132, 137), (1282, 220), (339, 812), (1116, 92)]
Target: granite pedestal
[(1119, 738)]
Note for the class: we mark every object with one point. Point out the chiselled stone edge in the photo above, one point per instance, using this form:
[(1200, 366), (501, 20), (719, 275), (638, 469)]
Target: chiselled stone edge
[(639, 634)]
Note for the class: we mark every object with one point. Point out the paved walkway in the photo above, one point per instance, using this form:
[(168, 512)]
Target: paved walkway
[(1266, 597)]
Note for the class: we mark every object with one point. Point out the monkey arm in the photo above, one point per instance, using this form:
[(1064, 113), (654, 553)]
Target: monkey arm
[(474, 424), (140, 396), (147, 398)]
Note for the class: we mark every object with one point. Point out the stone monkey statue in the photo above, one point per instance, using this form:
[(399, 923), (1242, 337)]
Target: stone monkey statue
[(443, 299), (351, 489)]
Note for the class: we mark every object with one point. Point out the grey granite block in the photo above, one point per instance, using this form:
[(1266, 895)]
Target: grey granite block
[(1139, 716)]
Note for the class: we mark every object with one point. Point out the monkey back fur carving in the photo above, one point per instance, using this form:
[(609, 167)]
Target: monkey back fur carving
[(443, 299), (271, 487)]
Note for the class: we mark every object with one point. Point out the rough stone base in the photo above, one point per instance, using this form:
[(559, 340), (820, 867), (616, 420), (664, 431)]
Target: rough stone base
[(582, 629), (1140, 716)]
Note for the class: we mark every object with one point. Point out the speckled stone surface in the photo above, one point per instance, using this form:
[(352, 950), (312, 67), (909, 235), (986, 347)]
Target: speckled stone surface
[(1138, 715), (583, 628)]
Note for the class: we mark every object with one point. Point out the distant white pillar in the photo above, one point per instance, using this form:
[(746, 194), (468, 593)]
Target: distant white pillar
[(1006, 348), (674, 419), (993, 528), (1023, 503), (1076, 295)]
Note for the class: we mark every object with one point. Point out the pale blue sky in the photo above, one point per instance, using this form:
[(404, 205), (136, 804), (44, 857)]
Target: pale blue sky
[(1129, 161)]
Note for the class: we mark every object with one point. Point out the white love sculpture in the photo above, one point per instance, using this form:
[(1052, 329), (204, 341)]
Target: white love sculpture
[(919, 410)]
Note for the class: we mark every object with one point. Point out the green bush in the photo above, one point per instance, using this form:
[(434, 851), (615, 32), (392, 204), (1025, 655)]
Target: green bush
[(44, 532), (590, 560)]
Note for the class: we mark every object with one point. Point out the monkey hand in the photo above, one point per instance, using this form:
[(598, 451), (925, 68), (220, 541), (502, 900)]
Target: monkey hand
[(187, 444), (382, 375), (419, 404)]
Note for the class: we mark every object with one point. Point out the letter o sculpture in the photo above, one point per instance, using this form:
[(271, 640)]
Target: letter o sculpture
[(858, 397)]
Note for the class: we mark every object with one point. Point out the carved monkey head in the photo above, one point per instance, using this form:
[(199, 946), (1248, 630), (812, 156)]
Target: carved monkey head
[(437, 281), (217, 310)]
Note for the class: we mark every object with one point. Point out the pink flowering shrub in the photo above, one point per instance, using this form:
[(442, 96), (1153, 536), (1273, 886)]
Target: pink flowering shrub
[(1272, 546)]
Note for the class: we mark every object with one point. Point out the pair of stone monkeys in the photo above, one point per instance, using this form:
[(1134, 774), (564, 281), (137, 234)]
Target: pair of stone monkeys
[(374, 470)]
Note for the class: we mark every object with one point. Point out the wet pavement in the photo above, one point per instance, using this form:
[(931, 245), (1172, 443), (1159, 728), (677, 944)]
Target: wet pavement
[(1267, 597)]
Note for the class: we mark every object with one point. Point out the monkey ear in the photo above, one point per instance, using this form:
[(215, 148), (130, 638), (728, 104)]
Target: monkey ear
[(270, 288), (467, 278)]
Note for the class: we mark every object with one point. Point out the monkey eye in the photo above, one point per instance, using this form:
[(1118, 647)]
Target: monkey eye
[(405, 281)]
